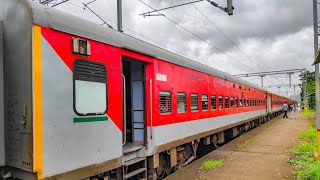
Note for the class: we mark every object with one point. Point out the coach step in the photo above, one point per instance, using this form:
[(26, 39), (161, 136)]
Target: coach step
[(136, 168)]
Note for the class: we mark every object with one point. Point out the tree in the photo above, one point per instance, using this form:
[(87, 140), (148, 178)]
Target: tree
[(310, 87)]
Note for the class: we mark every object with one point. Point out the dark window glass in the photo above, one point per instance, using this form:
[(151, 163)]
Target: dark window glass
[(232, 102), (204, 102), (237, 102), (220, 102), (194, 102), (165, 100), (213, 102), (227, 102), (240, 102), (181, 102)]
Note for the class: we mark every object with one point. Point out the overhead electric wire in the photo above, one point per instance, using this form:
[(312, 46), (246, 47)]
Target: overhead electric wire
[(106, 19), (224, 34), (218, 49), (230, 57), (157, 10)]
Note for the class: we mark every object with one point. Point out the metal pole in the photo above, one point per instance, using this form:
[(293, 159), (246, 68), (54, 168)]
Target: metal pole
[(289, 80), (279, 89), (119, 12), (305, 90), (315, 24), (261, 81), (294, 90)]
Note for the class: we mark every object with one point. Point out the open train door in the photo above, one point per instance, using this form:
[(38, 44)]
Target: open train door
[(134, 119)]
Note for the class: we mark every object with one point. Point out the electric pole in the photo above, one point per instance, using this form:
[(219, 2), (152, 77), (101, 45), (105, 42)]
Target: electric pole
[(119, 12), (315, 24)]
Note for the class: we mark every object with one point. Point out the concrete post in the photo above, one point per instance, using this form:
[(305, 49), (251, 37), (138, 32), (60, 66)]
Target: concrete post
[(315, 24)]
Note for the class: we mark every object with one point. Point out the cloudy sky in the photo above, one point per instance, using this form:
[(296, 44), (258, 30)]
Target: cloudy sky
[(263, 35)]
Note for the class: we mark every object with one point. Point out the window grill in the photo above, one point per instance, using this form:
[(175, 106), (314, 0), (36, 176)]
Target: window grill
[(248, 102), (204, 102), (89, 71), (232, 102), (194, 102), (213, 102), (165, 102), (237, 102), (220, 102), (182, 102), (240, 103), (227, 102)]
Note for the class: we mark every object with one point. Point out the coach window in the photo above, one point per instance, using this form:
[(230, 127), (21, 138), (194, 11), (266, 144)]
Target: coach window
[(204, 102), (165, 102), (237, 102), (220, 102), (240, 102), (90, 88), (244, 102), (232, 102), (194, 102), (213, 102), (227, 102), (248, 104), (182, 102)]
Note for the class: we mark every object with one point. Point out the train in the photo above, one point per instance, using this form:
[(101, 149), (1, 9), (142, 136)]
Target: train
[(81, 101)]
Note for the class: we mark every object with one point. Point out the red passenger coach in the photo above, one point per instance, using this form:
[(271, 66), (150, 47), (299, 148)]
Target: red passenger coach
[(84, 101)]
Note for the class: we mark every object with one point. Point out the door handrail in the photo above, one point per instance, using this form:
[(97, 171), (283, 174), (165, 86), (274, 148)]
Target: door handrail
[(124, 109), (150, 108)]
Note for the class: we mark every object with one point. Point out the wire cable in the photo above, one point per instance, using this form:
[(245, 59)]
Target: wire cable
[(218, 49)]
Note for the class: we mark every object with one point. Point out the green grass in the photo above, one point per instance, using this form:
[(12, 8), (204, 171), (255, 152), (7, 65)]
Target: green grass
[(244, 144), (212, 164), (309, 135), (306, 167)]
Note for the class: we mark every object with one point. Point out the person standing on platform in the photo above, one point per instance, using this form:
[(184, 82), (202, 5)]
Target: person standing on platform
[(293, 112), (285, 108)]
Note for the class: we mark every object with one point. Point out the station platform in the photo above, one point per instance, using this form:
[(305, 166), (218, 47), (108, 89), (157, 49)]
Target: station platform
[(261, 153)]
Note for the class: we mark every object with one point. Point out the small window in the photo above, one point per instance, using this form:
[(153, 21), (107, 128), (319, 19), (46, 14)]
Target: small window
[(248, 104), (227, 102), (90, 88), (220, 102), (204, 102), (194, 102), (237, 102), (182, 102), (165, 102), (240, 102), (245, 102), (213, 102), (232, 102)]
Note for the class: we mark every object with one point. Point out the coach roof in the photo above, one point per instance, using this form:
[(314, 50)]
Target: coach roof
[(61, 21)]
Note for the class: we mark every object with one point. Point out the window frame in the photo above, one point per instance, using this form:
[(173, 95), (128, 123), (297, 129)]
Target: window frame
[(186, 102), (232, 106), (237, 102), (165, 113), (202, 102), (191, 102), (222, 102), (215, 102), (226, 102), (74, 78)]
